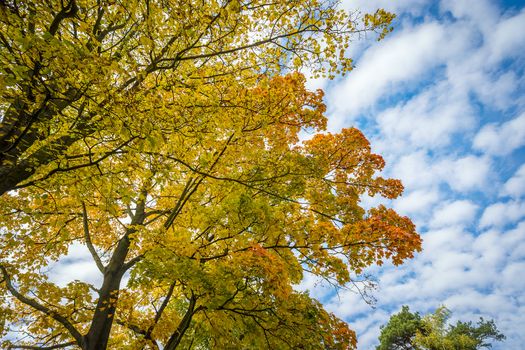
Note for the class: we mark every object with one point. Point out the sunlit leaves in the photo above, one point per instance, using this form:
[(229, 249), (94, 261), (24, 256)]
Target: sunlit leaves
[(162, 138), (234, 207)]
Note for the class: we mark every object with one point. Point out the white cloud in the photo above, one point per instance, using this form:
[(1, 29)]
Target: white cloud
[(81, 270), (415, 170), (476, 69), (402, 57), (412, 52), (417, 202), (401, 6), (368, 327), (316, 286), (479, 14), (77, 264), (438, 241), (494, 88), (501, 214), (507, 39), (347, 303), (467, 173), (494, 247), (475, 300), (501, 139), (428, 120), (509, 274), (515, 186), (461, 212)]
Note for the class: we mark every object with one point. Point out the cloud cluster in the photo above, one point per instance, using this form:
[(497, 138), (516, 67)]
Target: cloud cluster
[(501, 139)]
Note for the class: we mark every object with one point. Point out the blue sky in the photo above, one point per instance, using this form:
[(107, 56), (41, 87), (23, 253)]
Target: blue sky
[(443, 100)]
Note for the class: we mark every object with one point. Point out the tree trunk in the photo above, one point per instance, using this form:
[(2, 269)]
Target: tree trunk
[(98, 335), (176, 337)]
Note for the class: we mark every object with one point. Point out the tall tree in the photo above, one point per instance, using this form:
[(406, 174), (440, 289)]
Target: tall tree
[(70, 68), (213, 220), (407, 330), (161, 138)]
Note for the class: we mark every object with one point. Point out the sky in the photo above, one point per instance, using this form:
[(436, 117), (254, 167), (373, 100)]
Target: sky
[(442, 99)]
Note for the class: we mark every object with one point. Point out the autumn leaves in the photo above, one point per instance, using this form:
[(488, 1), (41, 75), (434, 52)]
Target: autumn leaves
[(178, 167)]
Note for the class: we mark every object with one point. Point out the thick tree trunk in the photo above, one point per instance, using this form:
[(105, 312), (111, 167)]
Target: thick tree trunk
[(98, 335), (12, 175)]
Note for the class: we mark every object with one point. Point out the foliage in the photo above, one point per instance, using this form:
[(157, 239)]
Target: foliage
[(215, 222), (161, 139), (71, 68), (407, 330), (400, 331)]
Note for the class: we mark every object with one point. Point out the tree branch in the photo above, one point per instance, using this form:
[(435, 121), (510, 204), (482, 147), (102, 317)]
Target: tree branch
[(161, 309), (37, 306), (132, 262), (66, 12), (87, 238), (57, 346), (102, 320), (178, 206), (138, 330), (187, 192), (235, 49), (176, 337), (91, 162)]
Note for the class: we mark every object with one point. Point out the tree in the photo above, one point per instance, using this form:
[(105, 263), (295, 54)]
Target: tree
[(400, 331), (213, 221), (162, 138), (72, 68), (407, 330)]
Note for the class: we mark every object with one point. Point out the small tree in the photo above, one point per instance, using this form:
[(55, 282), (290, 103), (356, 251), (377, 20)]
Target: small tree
[(400, 331), (407, 330)]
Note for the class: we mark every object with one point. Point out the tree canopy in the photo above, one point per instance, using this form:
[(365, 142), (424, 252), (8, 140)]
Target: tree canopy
[(71, 68), (162, 137), (409, 331)]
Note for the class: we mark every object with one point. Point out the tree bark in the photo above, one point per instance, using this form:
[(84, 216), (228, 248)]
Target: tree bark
[(19, 131), (98, 335), (176, 337)]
